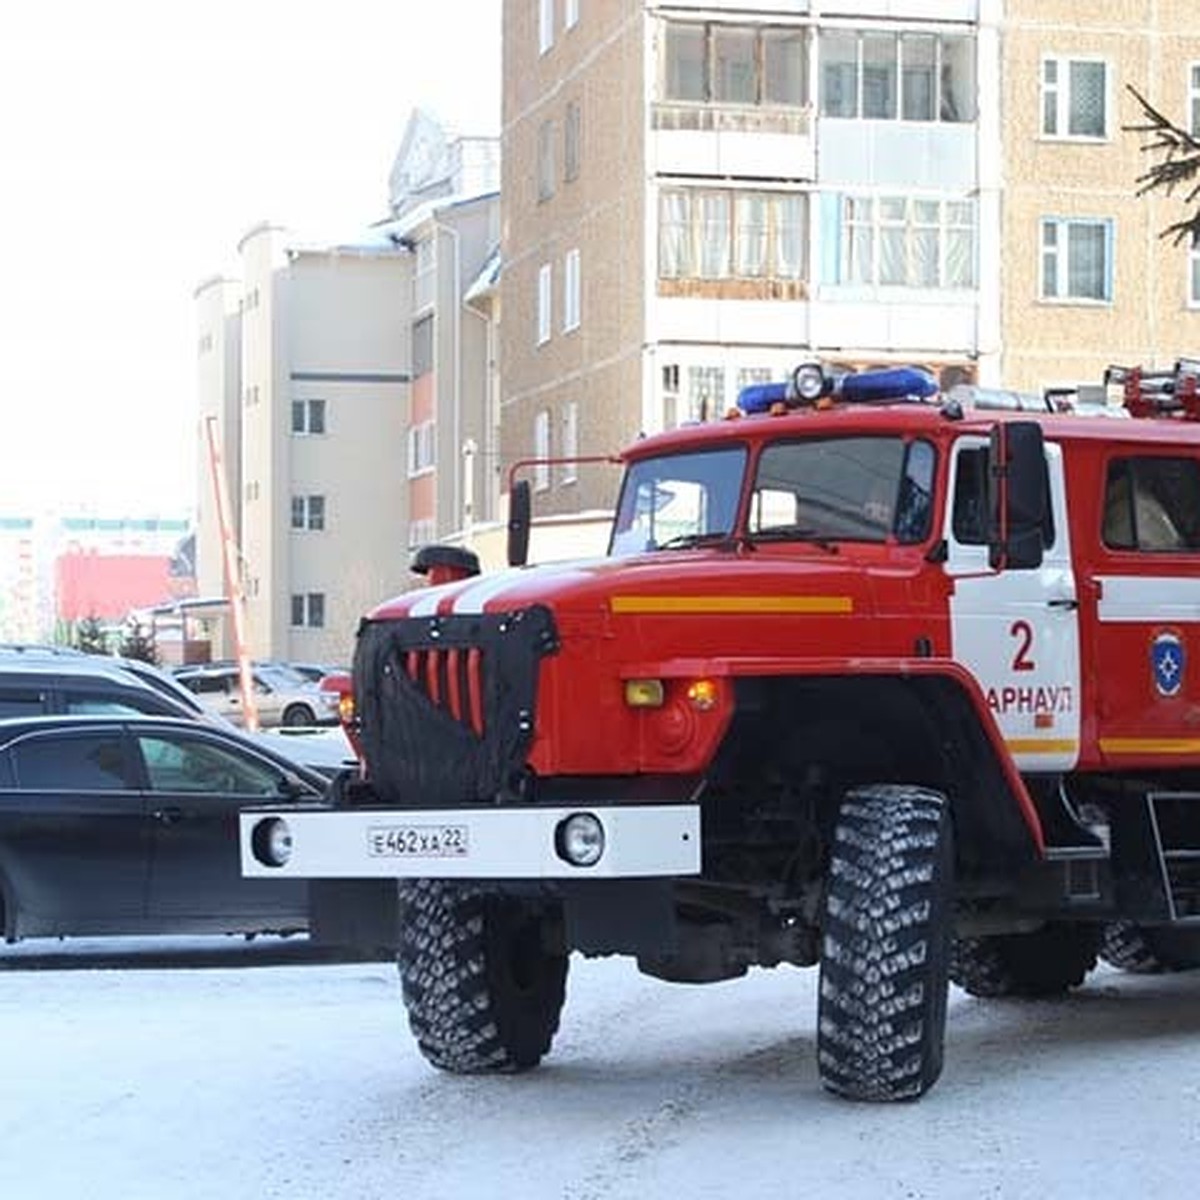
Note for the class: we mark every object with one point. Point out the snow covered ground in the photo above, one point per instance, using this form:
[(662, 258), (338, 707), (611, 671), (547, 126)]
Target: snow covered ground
[(267, 1076)]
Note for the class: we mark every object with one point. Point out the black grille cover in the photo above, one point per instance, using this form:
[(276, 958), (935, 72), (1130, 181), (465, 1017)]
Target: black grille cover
[(446, 705)]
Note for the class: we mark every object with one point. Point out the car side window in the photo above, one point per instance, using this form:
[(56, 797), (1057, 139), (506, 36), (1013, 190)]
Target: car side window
[(969, 516), (185, 764), (1152, 505), (65, 762), (105, 706), (27, 703)]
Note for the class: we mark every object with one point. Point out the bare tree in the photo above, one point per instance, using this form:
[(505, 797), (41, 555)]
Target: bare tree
[(1177, 167)]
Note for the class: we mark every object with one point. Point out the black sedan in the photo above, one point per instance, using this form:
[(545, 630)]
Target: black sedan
[(129, 825)]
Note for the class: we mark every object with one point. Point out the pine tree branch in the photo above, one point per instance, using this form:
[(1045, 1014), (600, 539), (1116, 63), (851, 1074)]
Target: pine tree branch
[(1179, 166)]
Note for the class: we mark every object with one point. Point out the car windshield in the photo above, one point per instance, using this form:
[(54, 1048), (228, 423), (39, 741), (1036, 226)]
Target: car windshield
[(849, 489), (678, 501)]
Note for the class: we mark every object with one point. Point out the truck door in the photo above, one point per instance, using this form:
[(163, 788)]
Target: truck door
[(1017, 631)]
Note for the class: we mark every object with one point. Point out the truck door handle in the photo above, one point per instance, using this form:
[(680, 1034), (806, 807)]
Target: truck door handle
[(1066, 602), (168, 816)]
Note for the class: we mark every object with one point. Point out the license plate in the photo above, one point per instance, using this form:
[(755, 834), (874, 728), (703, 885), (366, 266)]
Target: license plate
[(417, 841)]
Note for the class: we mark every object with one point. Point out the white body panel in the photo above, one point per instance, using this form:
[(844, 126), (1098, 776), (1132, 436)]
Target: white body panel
[(496, 843)]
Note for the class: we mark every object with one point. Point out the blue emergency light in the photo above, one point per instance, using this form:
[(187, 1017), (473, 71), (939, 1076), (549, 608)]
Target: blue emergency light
[(811, 381)]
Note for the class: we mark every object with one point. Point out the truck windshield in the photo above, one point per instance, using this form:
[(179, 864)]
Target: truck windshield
[(863, 489), (679, 501)]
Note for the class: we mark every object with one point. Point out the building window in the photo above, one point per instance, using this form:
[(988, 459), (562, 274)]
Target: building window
[(1194, 272), (541, 450), (545, 161), (1076, 259), (422, 448), (570, 441), (1194, 99), (740, 65), (570, 13), (424, 273), (706, 393), (571, 142), (308, 610), (422, 346), (308, 512), (897, 76), (545, 25), (732, 234), (748, 376), (308, 416), (1074, 98), (571, 289), (544, 304), (905, 241), (421, 532)]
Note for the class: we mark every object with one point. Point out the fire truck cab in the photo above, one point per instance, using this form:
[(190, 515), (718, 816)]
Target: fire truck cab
[(887, 681)]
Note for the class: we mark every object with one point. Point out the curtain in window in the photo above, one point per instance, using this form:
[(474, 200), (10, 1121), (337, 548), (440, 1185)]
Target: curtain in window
[(674, 241), (960, 245), (751, 228), (714, 235), (860, 241), (893, 253), (1085, 261), (926, 244), (1087, 117), (957, 100), (879, 75), (789, 236), (918, 53)]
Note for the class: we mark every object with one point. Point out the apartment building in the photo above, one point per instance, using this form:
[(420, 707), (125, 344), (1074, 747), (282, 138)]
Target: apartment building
[(695, 195), (698, 194), (1086, 278), (344, 379)]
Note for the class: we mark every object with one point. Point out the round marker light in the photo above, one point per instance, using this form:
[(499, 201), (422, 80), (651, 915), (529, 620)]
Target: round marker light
[(810, 382), (579, 839), (272, 842), (703, 694)]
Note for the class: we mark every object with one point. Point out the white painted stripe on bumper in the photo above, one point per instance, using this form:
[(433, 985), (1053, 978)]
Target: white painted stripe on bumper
[(504, 843)]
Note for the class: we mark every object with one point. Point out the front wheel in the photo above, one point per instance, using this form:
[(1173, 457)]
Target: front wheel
[(295, 716), (884, 960), (483, 976)]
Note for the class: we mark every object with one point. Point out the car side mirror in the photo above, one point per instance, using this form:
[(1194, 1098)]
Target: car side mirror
[(520, 511), (1018, 496)]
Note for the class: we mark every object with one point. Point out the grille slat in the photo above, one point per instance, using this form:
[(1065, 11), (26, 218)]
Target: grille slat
[(453, 681)]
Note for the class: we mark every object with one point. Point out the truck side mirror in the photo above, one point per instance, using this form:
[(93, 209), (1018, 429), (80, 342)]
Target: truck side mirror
[(520, 507), (1018, 496)]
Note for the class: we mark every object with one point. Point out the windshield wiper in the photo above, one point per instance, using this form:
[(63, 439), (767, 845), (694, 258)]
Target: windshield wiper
[(794, 533), (689, 541)]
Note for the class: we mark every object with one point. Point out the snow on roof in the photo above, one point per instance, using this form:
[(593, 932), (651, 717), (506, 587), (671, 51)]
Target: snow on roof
[(487, 278)]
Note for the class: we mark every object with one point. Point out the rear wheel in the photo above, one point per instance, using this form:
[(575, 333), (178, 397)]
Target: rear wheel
[(1047, 962), (882, 1009), (297, 715), (1149, 950), (484, 976)]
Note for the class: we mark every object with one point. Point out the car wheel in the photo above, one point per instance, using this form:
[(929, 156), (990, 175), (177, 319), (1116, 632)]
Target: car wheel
[(297, 715), (881, 1018), (1047, 962), (484, 976)]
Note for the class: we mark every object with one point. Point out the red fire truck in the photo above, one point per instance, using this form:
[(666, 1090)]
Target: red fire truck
[(888, 681)]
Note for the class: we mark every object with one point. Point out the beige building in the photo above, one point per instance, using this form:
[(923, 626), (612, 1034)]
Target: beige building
[(1086, 280), (698, 194), (345, 380)]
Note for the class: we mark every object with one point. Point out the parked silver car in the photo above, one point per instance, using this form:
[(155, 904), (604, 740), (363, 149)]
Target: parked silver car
[(282, 698)]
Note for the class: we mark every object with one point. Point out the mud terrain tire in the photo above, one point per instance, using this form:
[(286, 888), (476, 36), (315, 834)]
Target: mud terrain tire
[(482, 990), (1145, 950), (1047, 962), (885, 951)]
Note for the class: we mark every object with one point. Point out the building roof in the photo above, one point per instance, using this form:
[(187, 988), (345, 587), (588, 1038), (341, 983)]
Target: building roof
[(485, 282)]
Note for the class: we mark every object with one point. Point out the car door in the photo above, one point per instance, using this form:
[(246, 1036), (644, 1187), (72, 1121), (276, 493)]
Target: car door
[(74, 833), (195, 786), (1017, 631)]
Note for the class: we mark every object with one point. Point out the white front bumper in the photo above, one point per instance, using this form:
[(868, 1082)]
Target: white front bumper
[(472, 843)]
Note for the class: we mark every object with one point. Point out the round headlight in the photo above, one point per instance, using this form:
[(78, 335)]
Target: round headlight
[(272, 842), (579, 839), (809, 381)]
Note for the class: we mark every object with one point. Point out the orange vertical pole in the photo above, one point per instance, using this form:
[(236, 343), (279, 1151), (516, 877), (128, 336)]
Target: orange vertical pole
[(233, 577)]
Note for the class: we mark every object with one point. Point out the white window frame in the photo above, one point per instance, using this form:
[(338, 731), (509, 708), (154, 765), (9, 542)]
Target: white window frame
[(570, 441), (1060, 91), (545, 303), (545, 25), (304, 508), (1193, 107), (306, 608), (421, 532), (422, 448), (571, 290), (570, 14), (1061, 251), (1193, 268), (541, 450)]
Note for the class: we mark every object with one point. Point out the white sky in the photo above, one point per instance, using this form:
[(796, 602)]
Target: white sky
[(139, 139)]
